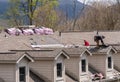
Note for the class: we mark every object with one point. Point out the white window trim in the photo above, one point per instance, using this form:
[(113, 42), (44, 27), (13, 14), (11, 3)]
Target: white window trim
[(25, 73), (83, 57), (59, 78)]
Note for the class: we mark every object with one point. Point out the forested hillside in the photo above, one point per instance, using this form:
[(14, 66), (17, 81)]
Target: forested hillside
[(62, 15)]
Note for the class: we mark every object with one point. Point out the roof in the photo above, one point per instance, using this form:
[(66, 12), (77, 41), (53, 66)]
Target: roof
[(76, 51), (12, 57), (23, 42), (101, 50), (111, 37), (47, 54), (117, 48)]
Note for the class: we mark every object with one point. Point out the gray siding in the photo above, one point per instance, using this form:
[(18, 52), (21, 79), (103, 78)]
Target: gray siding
[(7, 72), (69, 79), (35, 78), (72, 65), (117, 60), (44, 68), (98, 62)]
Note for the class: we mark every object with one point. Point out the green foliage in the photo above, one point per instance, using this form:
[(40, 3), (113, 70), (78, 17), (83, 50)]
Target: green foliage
[(15, 13), (21, 10), (45, 15)]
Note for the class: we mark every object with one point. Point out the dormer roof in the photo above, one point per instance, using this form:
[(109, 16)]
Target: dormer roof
[(13, 57)]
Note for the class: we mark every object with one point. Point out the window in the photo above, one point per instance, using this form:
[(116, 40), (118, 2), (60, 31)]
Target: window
[(109, 62), (22, 74), (83, 63), (59, 69)]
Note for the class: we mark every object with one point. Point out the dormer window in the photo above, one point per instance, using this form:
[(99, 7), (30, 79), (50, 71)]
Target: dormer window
[(109, 62), (59, 69), (83, 65), (22, 74)]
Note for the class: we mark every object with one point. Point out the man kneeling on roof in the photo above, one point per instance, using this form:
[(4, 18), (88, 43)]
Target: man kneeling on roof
[(97, 37)]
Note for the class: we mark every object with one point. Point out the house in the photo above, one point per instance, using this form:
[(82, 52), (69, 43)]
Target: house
[(77, 65), (117, 60), (14, 67), (20, 61), (102, 60), (48, 66)]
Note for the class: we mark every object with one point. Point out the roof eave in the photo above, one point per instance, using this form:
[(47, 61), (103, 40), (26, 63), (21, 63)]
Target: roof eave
[(8, 61), (43, 58)]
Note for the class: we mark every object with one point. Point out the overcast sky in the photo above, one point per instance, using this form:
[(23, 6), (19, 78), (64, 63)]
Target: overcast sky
[(89, 1)]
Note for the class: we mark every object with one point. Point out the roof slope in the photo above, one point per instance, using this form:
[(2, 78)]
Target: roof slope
[(101, 50), (111, 37), (76, 51), (46, 54), (12, 57), (23, 42), (117, 47)]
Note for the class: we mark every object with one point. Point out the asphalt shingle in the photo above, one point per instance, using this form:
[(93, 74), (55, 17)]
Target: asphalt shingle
[(10, 56), (111, 37)]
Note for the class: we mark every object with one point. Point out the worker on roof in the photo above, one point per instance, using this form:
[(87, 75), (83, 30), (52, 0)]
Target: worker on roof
[(98, 38), (86, 43)]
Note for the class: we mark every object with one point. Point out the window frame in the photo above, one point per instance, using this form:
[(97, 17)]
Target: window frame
[(83, 65), (109, 62), (59, 68), (22, 75)]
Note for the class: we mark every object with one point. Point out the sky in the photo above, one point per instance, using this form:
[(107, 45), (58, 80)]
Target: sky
[(90, 1)]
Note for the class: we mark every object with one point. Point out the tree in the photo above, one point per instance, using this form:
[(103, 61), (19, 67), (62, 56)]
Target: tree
[(78, 15), (100, 16), (46, 14), (13, 13), (70, 23), (24, 10)]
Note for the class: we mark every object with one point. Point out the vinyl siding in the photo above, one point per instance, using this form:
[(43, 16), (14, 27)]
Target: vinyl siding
[(98, 62), (69, 79), (72, 65), (35, 78), (7, 72), (117, 60), (44, 68)]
